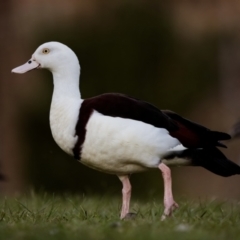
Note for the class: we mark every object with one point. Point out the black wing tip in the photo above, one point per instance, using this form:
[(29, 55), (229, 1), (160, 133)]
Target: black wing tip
[(221, 135), (215, 161), (217, 137), (219, 144)]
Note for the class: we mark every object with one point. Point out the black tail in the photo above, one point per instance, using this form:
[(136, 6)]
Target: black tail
[(210, 158), (219, 136), (215, 161)]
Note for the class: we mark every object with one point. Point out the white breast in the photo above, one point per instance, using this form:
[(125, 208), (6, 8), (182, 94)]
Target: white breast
[(118, 145), (63, 118)]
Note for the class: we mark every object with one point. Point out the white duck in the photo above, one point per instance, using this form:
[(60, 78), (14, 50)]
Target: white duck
[(121, 135)]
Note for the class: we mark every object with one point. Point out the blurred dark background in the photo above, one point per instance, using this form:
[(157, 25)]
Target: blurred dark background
[(179, 55)]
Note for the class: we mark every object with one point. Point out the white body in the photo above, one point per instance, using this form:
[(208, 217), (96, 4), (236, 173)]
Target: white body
[(117, 145)]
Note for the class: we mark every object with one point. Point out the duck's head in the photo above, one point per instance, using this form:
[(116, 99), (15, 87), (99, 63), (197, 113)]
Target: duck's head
[(53, 56)]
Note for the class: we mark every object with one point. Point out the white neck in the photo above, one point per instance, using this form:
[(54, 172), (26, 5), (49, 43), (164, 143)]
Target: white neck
[(65, 106), (66, 82)]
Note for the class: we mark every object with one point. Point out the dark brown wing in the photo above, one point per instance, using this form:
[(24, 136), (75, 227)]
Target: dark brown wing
[(118, 105), (193, 135), (190, 134)]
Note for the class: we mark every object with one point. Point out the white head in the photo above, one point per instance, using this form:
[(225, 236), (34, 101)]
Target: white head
[(54, 56)]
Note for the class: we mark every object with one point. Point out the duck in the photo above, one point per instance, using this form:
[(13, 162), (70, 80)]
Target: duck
[(121, 135)]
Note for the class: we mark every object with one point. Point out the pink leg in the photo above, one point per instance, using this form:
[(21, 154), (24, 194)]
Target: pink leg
[(126, 195), (169, 204)]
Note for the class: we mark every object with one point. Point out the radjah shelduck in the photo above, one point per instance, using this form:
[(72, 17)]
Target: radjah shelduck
[(122, 135)]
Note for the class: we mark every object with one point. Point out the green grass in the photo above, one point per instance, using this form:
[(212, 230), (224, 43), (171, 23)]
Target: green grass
[(75, 217)]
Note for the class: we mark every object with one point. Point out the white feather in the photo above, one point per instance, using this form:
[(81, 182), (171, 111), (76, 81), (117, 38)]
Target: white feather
[(117, 145), (63, 119)]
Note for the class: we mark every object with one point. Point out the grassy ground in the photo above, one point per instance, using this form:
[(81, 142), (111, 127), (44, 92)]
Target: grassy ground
[(74, 217)]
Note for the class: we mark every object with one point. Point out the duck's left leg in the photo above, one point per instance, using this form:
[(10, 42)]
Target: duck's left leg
[(169, 204), (126, 195)]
